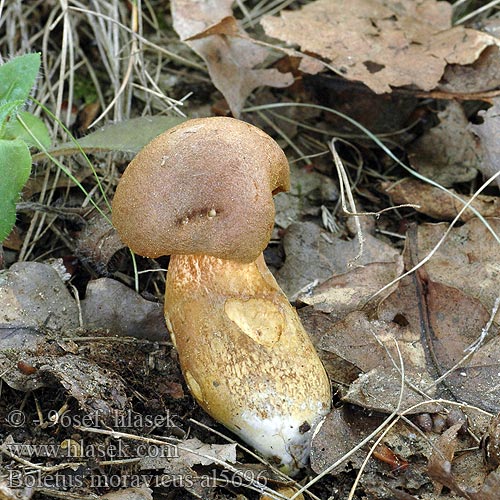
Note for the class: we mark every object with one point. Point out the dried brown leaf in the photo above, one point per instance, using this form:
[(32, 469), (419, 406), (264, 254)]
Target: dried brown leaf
[(97, 390), (34, 302), (341, 431), (490, 488), (351, 291), (97, 243), (318, 324), (209, 28), (33, 295), (315, 254), (384, 44), (367, 343), (436, 203), (455, 319), (112, 306), (480, 76), (447, 322), (439, 465), (202, 454), (344, 428), (462, 473), (447, 153), (491, 443), (379, 390), (226, 26), (370, 345), (13, 241), (468, 259), (206, 452), (489, 132)]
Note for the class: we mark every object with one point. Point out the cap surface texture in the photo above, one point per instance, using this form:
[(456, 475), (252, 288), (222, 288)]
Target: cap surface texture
[(204, 187)]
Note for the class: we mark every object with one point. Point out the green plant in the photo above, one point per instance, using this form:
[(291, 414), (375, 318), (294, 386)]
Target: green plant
[(17, 78)]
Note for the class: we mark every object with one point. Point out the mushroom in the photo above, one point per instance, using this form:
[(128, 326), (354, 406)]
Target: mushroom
[(202, 192)]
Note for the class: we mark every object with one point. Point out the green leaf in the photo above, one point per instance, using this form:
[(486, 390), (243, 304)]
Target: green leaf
[(14, 130), (129, 136), (7, 109), (15, 168), (17, 77)]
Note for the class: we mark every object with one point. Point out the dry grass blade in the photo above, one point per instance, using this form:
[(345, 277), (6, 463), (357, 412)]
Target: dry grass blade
[(345, 188), (478, 11)]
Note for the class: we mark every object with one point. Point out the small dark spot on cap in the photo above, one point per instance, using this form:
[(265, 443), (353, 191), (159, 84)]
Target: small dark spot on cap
[(304, 427)]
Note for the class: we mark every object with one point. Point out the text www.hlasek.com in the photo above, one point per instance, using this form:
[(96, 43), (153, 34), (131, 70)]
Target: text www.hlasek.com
[(77, 449)]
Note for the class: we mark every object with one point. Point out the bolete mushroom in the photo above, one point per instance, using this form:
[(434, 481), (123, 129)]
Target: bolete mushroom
[(202, 193)]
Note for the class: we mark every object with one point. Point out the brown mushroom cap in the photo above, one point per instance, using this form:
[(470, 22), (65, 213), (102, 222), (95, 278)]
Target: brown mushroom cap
[(204, 187)]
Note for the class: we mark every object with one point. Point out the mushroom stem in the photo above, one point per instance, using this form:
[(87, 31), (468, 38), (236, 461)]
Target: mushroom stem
[(245, 355)]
